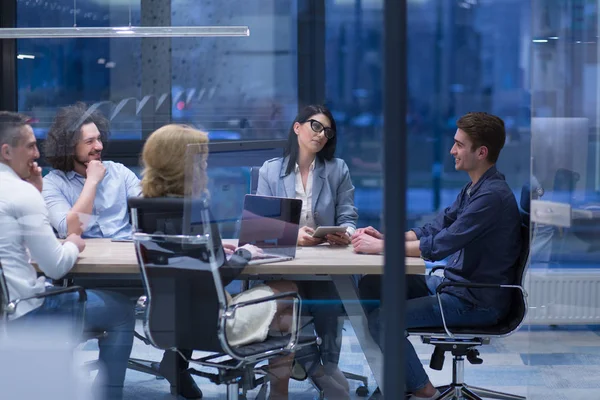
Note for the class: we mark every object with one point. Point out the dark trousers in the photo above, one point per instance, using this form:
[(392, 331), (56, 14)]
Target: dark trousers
[(422, 311), (321, 301)]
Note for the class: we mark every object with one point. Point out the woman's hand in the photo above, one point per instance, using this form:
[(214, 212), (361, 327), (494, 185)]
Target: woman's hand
[(338, 239), (256, 252), (305, 237), (229, 248)]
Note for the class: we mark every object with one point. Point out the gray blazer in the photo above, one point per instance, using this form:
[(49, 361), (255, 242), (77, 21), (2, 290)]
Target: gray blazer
[(332, 191)]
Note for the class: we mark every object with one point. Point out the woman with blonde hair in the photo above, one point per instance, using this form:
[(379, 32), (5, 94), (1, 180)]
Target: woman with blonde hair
[(169, 173)]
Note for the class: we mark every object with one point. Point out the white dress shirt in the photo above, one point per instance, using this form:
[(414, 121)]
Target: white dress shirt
[(305, 194), (24, 226)]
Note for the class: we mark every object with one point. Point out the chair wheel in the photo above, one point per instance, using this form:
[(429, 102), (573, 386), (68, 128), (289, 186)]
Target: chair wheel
[(155, 366), (362, 391)]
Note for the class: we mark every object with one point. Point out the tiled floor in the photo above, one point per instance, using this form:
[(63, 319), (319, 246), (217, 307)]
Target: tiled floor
[(539, 362)]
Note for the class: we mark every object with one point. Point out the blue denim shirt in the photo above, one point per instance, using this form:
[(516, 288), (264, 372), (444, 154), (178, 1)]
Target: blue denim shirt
[(110, 218), (481, 233)]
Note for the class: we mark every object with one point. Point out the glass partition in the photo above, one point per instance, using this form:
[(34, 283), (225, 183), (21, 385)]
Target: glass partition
[(236, 88), (564, 275), (53, 73)]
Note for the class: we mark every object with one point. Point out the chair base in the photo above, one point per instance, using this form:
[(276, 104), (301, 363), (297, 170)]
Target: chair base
[(462, 391), (146, 366), (363, 390)]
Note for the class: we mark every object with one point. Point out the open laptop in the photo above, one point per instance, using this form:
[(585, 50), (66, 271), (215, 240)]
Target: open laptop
[(271, 223)]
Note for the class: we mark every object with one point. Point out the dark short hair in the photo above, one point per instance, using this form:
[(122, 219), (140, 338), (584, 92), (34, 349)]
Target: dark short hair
[(65, 133), (484, 130), (11, 127), (292, 147)]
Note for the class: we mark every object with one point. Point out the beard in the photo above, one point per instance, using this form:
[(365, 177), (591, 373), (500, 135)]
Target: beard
[(85, 161)]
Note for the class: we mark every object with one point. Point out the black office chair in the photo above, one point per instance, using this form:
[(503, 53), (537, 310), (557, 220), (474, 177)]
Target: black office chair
[(187, 307), (254, 179), (9, 307), (463, 342)]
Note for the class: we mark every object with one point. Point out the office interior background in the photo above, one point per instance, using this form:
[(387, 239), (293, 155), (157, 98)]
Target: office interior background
[(534, 63)]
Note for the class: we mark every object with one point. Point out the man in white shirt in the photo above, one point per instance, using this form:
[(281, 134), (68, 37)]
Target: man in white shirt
[(25, 231)]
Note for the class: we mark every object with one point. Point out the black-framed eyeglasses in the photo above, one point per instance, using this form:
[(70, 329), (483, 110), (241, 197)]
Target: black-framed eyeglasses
[(318, 127)]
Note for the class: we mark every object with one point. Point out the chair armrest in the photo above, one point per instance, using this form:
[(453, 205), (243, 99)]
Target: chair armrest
[(12, 306), (230, 313), (258, 301), (473, 285), (478, 286)]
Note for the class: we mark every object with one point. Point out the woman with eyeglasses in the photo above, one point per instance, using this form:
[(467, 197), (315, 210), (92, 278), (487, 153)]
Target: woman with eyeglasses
[(309, 171)]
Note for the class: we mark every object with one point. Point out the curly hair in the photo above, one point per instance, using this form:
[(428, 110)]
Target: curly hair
[(65, 133), (164, 162)]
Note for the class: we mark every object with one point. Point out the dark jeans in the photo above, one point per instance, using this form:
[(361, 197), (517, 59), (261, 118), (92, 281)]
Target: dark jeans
[(105, 311), (320, 300), (422, 311)]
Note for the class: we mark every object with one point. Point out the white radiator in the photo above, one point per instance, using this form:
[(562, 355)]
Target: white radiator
[(563, 296)]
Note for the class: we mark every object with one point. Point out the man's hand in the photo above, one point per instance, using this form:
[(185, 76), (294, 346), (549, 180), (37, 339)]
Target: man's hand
[(369, 230), (95, 171), (77, 222), (77, 240), (365, 243), (412, 248), (305, 237), (410, 236), (338, 239), (35, 176)]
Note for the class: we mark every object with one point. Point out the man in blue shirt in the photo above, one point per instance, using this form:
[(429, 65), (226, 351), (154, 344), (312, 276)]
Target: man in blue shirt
[(479, 232), (81, 182)]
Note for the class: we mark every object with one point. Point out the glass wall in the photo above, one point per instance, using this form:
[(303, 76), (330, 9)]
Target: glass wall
[(53, 73), (462, 56), (564, 276), (236, 88), (242, 88)]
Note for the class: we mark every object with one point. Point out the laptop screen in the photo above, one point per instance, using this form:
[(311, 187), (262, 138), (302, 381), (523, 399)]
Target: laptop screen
[(270, 222)]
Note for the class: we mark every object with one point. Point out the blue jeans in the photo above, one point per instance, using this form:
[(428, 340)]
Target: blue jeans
[(105, 311), (422, 311)]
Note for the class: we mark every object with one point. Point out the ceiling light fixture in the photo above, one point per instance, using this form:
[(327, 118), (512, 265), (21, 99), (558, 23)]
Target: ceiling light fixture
[(125, 31)]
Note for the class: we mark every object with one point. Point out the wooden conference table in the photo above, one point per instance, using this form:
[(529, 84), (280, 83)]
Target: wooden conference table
[(103, 258)]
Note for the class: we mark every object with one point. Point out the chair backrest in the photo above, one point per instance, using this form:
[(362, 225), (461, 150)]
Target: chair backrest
[(4, 298), (518, 309), (180, 274), (254, 179)]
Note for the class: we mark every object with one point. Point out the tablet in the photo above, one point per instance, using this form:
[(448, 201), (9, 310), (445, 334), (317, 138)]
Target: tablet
[(121, 240), (323, 231)]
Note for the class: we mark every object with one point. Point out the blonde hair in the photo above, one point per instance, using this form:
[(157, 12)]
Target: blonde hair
[(164, 161)]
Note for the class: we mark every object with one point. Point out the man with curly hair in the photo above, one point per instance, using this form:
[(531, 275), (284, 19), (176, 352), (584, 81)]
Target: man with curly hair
[(81, 182)]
